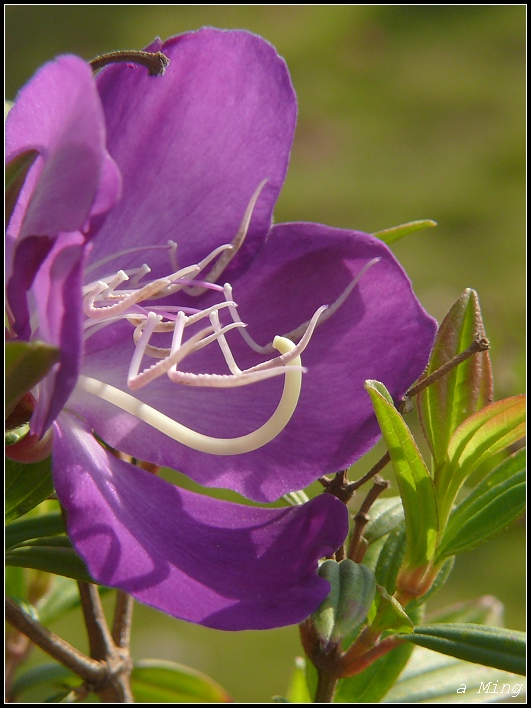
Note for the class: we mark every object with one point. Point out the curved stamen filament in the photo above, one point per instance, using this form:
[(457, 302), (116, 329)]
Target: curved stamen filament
[(205, 443)]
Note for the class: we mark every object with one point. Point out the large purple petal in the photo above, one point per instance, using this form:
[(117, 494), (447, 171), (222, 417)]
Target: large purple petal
[(212, 562), (381, 332), (193, 146)]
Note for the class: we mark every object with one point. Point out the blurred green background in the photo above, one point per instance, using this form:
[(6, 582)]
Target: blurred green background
[(405, 112)]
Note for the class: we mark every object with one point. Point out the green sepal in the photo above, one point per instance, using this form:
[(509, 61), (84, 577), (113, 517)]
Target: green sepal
[(27, 485), (464, 390), (352, 588), (53, 554), (33, 527), (16, 172), (501, 648), (480, 437), (414, 481), (497, 501), (158, 681), (395, 233), (26, 364), (433, 678), (387, 614)]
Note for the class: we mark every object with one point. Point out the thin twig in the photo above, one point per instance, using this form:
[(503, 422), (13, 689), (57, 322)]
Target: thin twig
[(156, 62), (378, 467), (100, 639), (480, 344), (123, 614), (357, 547), (88, 669)]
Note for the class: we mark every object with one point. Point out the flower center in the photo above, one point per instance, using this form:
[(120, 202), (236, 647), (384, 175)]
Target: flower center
[(109, 300)]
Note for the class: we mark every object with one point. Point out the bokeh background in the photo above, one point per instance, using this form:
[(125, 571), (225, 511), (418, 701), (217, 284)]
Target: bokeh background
[(405, 112)]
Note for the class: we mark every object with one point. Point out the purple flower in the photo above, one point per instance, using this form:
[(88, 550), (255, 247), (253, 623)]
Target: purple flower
[(141, 243)]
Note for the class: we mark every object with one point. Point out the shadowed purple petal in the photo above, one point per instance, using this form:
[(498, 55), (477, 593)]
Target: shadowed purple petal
[(73, 179), (212, 562), (194, 145), (380, 332), (69, 132), (58, 303)]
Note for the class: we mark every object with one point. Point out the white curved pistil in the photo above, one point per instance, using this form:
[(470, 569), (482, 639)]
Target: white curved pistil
[(205, 443)]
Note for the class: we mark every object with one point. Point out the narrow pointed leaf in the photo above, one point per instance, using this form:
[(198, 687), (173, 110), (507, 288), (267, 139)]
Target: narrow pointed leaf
[(481, 610), (16, 173), (480, 437), (395, 233), (385, 516), (491, 646), (26, 486), (445, 404), (49, 678), (433, 678), (496, 502), (158, 681), (414, 481), (390, 559), (298, 688), (372, 684), (53, 554), (34, 527), (26, 364)]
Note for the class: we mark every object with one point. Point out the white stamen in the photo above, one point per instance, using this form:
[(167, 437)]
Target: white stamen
[(223, 345), (204, 443), (149, 326)]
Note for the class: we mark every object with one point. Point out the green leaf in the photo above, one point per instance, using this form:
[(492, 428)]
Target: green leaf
[(26, 364), (481, 610), (385, 516), (49, 677), (395, 233), (62, 596), (34, 527), (158, 681), (372, 684), (352, 588), (467, 388), (491, 646), (16, 173), (481, 436), (433, 678), (298, 688), (414, 481), (497, 501), (390, 559), (26, 486), (53, 554)]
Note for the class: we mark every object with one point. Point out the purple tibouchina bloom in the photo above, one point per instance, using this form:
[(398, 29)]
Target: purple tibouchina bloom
[(141, 244)]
